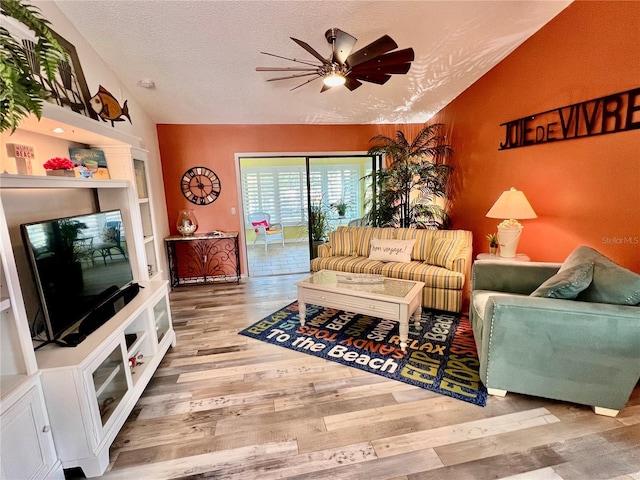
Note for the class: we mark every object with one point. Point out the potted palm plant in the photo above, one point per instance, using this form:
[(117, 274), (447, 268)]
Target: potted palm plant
[(405, 191), (21, 94), (318, 226)]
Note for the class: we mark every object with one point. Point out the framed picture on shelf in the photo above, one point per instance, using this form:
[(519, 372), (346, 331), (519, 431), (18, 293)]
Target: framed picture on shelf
[(91, 162)]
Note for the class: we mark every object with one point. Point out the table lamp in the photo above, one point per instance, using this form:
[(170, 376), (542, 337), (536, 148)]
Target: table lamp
[(511, 206)]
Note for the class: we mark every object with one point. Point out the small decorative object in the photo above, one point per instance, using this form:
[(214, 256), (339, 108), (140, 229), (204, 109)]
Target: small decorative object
[(200, 185), (340, 207), (61, 167), (493, 243), (108, 108), (187, 223), (135, 361), (23, 155), (88, 168)]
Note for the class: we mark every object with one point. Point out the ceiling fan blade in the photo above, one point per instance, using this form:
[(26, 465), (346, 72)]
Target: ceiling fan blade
[(290, 59), (286, 69), (400, 68), (374, 78), (302, 84), (401, 56), (310, 49), (352, 83), (342, 46), (292, 76), (382, 45)]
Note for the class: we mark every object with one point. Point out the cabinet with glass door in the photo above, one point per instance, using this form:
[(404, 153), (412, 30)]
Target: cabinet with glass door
[(146, 212)]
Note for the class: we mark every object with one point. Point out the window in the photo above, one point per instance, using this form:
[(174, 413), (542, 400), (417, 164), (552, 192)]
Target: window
[(280, 191)]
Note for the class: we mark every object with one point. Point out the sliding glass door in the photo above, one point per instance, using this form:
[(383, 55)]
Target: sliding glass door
[(294, 192)]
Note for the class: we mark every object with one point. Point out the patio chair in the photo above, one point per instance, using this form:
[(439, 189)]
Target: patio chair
[(110, 241), (265, 230)]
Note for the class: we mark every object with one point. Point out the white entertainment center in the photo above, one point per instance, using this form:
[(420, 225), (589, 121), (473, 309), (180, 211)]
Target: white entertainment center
[(62, 407)]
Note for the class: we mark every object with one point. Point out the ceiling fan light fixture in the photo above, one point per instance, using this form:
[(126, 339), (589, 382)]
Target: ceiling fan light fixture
[(334, 79), (374, 63)]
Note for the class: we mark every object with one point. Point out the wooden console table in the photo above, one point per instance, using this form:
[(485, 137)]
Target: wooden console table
[(203, 258)]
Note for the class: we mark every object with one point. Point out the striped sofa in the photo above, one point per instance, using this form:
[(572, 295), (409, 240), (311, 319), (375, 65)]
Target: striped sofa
[(440, 258)]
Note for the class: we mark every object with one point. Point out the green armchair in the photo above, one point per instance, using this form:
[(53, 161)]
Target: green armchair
[(570, 350)]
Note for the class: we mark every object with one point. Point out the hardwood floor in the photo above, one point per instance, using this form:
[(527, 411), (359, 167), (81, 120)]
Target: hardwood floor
[(224, 406)]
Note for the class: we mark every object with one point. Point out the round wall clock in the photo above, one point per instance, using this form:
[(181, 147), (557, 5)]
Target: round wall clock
[(200, 185)]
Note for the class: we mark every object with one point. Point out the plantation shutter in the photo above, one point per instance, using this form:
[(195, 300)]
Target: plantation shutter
[(280, 191)]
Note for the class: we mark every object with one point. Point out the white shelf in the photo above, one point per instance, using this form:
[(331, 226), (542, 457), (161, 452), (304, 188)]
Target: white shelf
[(156, 275), (78, 128), (143, 200), (141, 337), (104, 384), (5, 304), (148, 239), (41, 181)]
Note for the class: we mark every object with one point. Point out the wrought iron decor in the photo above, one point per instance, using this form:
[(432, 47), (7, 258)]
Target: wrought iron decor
[(69, 89), (618, 112)]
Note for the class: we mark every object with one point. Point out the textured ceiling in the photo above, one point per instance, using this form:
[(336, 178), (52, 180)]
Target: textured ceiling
[(202, 54)]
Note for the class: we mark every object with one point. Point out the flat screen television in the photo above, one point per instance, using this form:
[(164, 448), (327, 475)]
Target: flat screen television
[(80, 264)]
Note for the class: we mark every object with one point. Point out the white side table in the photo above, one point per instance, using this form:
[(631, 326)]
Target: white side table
[(520, 257)]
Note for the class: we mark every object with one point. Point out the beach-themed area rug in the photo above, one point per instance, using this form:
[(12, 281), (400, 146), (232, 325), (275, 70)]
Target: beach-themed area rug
[(441, 355)]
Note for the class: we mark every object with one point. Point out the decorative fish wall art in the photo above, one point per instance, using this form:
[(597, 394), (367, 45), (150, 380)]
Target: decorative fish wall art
[(108, 108)]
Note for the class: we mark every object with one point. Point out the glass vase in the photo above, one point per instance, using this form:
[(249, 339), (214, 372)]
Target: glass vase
[(187, 223)]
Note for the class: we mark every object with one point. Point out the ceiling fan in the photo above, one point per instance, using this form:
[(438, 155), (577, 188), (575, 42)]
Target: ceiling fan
[(374, 63)]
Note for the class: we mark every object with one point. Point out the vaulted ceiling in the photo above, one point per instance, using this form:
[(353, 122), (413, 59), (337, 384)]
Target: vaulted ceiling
[(202, 54)]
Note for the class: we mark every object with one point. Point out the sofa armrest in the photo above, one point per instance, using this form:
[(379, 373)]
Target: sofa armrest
[(562, 310), (324, 250), (521, 277), (564, 349), (462, 263)]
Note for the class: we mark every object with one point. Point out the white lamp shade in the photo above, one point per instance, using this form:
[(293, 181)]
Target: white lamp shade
[(512, 204)]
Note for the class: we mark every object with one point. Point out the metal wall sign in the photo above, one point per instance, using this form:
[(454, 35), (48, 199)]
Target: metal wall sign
[(618, 112)]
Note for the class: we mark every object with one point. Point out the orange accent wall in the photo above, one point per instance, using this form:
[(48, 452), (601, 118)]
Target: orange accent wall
[(585, 191), (215, 146)]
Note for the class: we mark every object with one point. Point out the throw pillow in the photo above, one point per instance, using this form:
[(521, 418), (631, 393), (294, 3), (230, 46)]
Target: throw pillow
[(567, 283), (261, 223), (444, 252), (611, 283), (423, 238), (342, 243), (109, 235), (391, 250)]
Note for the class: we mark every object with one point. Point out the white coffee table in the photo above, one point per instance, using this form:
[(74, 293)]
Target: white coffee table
[(392, 300)]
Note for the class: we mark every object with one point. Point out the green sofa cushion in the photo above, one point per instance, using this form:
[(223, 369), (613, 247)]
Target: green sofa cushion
[(611, 283), (567, 283)]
